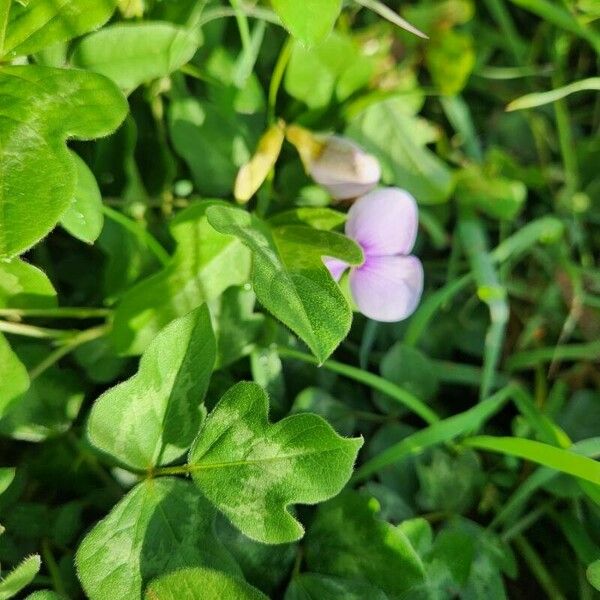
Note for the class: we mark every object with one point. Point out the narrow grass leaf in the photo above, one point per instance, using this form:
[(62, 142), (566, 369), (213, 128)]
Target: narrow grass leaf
[(561, 460)]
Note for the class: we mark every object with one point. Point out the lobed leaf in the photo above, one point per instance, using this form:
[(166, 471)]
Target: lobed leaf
[(47, 106), (152, 418), (253, 470)]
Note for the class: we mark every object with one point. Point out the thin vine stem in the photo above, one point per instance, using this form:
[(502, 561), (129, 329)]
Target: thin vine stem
[(371, 380), (132, 226), (66, 312), (278, 72), (42, 333), (76, 340)]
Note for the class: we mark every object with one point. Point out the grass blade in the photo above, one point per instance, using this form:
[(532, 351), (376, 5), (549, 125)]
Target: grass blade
[(389, 15), (443, 431), (542, 98), (564, 461)]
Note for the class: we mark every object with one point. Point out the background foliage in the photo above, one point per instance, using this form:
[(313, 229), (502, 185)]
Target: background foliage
[(220, 463)]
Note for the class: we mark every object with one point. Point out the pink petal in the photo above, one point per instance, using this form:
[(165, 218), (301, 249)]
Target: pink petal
[(336, 267), (384, 222), (387, 288)]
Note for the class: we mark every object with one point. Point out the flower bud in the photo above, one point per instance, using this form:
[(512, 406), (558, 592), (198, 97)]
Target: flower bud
[(336, 163)]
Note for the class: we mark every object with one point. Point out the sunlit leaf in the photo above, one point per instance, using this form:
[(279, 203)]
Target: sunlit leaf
[(39, 173), (152, 418), (160, 526), (253, 470)]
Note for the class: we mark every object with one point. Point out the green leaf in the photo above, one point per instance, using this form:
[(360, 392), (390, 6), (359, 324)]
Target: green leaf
[(204, 265), (134, 53), (450, 59), (14, 380), (347, 539), (339, 414), (390, 15), (543, 454), (39, 173), (160, 526), (212, 138), (45, 595), (84, 218), (311, 20), (152, 418), (237, 326), (265, 566), (310, 586), (7, 474), (398, 139), (253, 470), (497, 197), (20, 577), (593, 574), (49, 405), (289, 276), (201, 584), (42, 23), (411, 370), (337, 68), (24, 286)]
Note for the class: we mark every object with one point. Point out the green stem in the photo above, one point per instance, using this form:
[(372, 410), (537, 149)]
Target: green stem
[(243, 27), (373, 381), (538, 569), (56, 313), (53, 569), (4, 16), (524, 523), (132, 226), (76, 340), (277, 77), (33, 331), (94, 465)]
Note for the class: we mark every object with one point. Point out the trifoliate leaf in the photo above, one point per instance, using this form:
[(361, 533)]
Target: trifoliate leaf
[(253, 470)]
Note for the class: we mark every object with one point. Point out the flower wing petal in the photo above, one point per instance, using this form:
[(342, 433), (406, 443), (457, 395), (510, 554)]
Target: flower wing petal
[(384, 222), (387, 288), (336, 266)]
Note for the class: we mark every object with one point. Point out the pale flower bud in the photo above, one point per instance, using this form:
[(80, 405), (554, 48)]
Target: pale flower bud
[(336, 163)]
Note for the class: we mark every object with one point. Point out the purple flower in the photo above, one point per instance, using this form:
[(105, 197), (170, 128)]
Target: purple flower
[(388, 285)]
